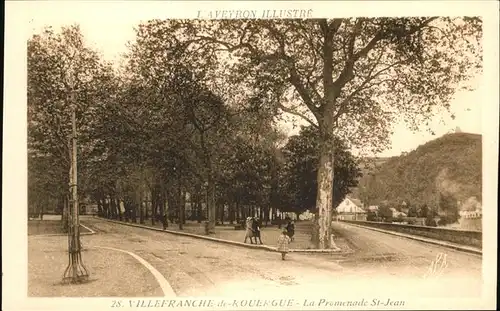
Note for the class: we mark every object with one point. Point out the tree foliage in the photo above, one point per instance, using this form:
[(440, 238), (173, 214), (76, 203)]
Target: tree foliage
[(194, 108), (62, 71), (299, 183), (351, 76)]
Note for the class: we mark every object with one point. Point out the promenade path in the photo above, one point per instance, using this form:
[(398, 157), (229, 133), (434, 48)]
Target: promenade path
[(382, 264)]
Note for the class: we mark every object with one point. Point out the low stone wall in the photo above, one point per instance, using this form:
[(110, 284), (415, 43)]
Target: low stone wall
[(471, 238), (475, 224)]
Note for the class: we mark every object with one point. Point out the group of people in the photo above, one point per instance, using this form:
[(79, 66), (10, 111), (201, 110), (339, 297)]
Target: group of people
[(253, 230), (286, 237)]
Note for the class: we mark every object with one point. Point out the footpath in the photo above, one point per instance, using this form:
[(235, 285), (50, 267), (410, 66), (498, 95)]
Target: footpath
[(228, 235), (459, 247), (301, 244)]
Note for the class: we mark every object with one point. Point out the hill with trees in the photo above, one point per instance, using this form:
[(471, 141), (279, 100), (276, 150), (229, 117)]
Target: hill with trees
[(442, 175)]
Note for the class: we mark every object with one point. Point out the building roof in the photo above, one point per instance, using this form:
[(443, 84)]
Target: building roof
[(357, 202), (349, 206)]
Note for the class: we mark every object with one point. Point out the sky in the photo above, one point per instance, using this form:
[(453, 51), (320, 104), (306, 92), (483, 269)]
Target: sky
[(109, 36)]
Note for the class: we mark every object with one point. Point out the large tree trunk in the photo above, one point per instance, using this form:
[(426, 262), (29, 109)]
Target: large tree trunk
[(181, 205), (100, 211), (323, 219), (141, 209), (135, 206), (112, 202), (196, 203), (324, 197), (266, 215), (154, 205), (146, 205), (230, 212), (41, 211), (210, 226), (105, 205), (128, 208), (119, 209), (211, 204), (217, 212), (237, 211), (222, 207), (163, 208), (171, 205), (199, 211), (273, 194)]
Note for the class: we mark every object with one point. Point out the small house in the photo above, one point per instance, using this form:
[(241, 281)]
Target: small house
[(396, 213), (351, 209)]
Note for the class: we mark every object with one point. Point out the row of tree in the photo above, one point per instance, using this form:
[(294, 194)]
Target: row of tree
[(147, 138), (195, 105)]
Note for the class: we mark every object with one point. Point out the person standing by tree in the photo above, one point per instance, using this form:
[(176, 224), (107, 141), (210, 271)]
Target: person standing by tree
[(283, 242), (290, 228), (256, 229), (250, 233), (164, 220)]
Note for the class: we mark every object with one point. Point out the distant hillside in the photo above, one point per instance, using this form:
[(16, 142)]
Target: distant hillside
[(448, 166), (370, 164)]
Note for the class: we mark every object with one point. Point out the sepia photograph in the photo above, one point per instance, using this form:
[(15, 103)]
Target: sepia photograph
[(255, 158)]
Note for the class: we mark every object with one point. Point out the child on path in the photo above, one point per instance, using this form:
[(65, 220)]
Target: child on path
[(283, 242), (290, 227)]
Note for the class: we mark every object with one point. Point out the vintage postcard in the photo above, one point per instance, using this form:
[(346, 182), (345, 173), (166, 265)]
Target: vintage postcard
[(238, 155)]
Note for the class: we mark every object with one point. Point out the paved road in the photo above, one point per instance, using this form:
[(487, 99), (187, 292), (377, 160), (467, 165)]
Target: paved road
[(382, 264), (391, 250)]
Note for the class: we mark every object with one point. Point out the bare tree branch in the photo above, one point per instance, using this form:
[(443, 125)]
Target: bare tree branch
[(296, 113)]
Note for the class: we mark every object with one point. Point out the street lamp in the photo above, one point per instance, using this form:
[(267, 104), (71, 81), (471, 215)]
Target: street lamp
[(76, 271)]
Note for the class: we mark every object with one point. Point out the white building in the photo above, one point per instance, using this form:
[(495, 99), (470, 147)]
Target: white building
[(471, 214), (396, 214), (351, 209)]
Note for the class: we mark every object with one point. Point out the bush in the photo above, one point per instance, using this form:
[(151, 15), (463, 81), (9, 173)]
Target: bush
[(430, 222), (239, 227), (276, 222), (442, 221), (371, 216)]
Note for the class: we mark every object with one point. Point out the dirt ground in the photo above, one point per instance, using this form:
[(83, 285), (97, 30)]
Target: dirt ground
[(269, 234), (381, 264), (43, 227), (111, 273)]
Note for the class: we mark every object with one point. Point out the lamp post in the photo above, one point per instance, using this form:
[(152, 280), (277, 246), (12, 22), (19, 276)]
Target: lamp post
[(76, 271)]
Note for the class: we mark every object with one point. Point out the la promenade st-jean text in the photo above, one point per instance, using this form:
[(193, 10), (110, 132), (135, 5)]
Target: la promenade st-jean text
[(255, 303), (252, 14)]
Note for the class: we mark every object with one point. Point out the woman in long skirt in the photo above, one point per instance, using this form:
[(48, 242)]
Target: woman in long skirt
[(249, 230)]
